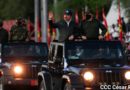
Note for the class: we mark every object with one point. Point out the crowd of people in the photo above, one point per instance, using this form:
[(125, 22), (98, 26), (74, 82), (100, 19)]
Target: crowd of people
[(88, 29), (114, 31)]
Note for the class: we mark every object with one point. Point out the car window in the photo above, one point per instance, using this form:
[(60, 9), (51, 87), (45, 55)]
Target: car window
[(90, 51), (27, 50)]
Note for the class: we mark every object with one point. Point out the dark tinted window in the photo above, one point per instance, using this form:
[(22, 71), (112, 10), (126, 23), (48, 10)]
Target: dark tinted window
[(24, 50), (94, 50)]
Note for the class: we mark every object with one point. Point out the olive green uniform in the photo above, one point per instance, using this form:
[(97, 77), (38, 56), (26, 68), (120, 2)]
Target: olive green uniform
[(18, 34)]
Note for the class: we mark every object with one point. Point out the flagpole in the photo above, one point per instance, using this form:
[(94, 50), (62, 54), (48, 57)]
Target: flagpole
[(107, 36), (44, 20), (36, 18), (97, 13)]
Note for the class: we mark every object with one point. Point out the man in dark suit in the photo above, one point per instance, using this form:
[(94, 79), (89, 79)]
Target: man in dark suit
[(67, 27)]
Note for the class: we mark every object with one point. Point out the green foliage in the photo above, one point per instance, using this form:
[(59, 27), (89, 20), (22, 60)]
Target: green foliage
[(126, 5), (11, 9), (80, 5), (97, 3), (74, 5)]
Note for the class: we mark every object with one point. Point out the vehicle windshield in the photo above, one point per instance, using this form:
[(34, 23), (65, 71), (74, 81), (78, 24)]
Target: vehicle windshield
[(92, 50), (24, 50)]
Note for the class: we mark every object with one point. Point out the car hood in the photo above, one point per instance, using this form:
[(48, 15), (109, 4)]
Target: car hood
[(23, 59), (75, 70)]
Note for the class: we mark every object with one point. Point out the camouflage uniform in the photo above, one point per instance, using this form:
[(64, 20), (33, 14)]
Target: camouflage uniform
[(18, 33)]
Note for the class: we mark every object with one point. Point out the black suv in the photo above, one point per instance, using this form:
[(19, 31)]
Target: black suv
[(20, 64), (85, 65)]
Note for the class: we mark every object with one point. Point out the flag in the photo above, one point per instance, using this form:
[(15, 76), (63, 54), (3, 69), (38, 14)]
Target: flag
[(76, 17), (120, 22), (29, 24), (38, 30), (7, 24), (51, 31), (30, 28), (107, 35), (83, 15), (97, 17), (54, 34), (49, 35)]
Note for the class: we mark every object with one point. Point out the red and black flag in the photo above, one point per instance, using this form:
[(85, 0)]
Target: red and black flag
[(107, 35), (97, 16), (120, 22), (76, 17)]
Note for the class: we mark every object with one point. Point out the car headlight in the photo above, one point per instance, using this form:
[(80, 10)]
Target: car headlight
[(89, 76), (18, 69), (127, 75)]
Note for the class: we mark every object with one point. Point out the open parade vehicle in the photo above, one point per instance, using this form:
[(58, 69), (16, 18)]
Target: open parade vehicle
[(84, 65)]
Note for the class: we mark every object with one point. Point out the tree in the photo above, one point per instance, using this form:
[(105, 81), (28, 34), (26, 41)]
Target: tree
[(126, 5), (12, 9), (80, 5)]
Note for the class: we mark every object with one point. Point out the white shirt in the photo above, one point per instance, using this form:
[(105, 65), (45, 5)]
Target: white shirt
[(114, 32), (68, 22), (127, 37)]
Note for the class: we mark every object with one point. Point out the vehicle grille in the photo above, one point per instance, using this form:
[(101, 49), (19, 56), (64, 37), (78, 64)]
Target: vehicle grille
[(110, 77), (31, 71)]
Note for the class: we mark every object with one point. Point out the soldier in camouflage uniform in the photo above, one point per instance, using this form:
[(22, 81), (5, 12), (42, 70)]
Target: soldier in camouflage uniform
[(18, 32)]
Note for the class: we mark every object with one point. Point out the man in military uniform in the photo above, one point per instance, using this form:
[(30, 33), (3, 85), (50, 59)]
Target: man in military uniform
[(3, 33), (90, 28), (18, 32)]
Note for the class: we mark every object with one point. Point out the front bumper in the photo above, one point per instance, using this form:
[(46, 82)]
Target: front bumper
[(19, 81)]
